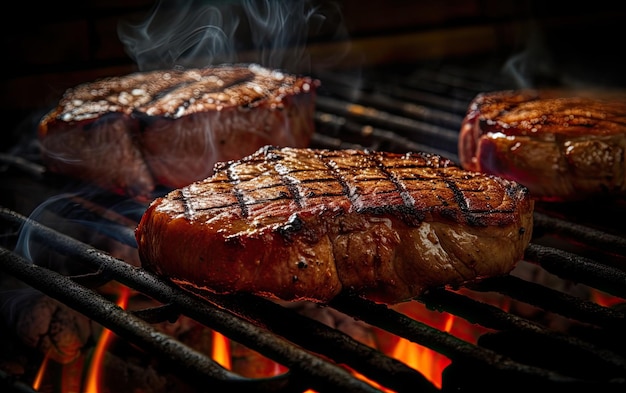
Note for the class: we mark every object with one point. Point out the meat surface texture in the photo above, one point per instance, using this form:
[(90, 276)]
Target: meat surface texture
[(132, 133), (307, 224), (563, 144)]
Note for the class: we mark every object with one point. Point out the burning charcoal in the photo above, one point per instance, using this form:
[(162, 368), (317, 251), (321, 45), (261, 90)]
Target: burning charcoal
[(121, 375), (251, 364), (45, 324), (116, 374), (183, 328)]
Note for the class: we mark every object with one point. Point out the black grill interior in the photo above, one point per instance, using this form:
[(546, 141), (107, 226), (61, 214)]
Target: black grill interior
[(580, 248)]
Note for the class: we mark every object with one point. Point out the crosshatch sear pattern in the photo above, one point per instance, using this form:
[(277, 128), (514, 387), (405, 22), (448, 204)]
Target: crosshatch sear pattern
[(299, 223), (411, 184)]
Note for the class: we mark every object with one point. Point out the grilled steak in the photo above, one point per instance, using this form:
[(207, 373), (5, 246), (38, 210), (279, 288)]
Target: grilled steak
[(564, 145), (306, 224), (131, 133)]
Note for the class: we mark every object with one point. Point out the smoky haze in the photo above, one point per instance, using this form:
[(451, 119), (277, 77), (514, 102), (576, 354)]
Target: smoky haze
[(193, 33)]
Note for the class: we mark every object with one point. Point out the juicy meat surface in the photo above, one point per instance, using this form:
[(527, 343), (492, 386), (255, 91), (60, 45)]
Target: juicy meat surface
[(132, 133), (562, 144), (306, 224)]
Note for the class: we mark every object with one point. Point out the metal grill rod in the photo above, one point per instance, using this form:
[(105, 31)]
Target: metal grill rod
[(495, 318), (457, 350), (579, 269), (555, 301), (320, 373), (111, 316)]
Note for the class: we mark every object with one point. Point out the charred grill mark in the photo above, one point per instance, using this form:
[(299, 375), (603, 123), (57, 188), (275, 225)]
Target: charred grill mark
[(253, 102), (240, 201), (234, 180), (169, 90), (322, 180), (194, 87), (292, 226), (470, 217), (408, 200), (186, 200), (240, 196), (189, 211), (343, 182), (407, 211), (290, 182), (301, 182)]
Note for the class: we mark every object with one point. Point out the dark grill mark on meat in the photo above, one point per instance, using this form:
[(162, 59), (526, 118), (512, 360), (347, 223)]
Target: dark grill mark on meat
[(270, 154), (234, 179), (319, 222), (292, 226), (352, 189), (134, 132), (386, 178), (459, 198), (220, 89), (408, 200), (189, 210), (562, 144), (408, 212), (290, 177), (343, 182), (290, 182)]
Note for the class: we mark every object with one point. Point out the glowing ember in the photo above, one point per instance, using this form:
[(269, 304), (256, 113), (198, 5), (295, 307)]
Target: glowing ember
[(430, 363), (95, 369), (41, 372), (374, 384), (604, 299), (221, 350), (425, 360)]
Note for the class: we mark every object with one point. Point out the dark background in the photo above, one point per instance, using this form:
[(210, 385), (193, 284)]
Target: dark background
[(52, 46)]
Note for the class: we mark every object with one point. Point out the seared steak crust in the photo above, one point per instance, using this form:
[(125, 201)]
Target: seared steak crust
[(306, 224), (562, 144), (131, 133)]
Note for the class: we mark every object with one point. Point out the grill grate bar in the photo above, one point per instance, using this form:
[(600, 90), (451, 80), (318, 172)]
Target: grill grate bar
[(495, 318), (585, 234), (355, 113), (579, 269), (381, 139), (402, 107), (96, 307), (416, 130), (320, 374), (448, 345), (555, 301), (319, 338)]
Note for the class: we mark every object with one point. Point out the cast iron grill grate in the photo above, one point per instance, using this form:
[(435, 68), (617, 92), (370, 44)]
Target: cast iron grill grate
[(404, 109)]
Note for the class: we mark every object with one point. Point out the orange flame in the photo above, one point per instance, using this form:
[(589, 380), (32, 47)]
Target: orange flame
[(94, 374), (221, 350), (425, 360), (430, 363), (362, 378), (41, 372), (604, 299)]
